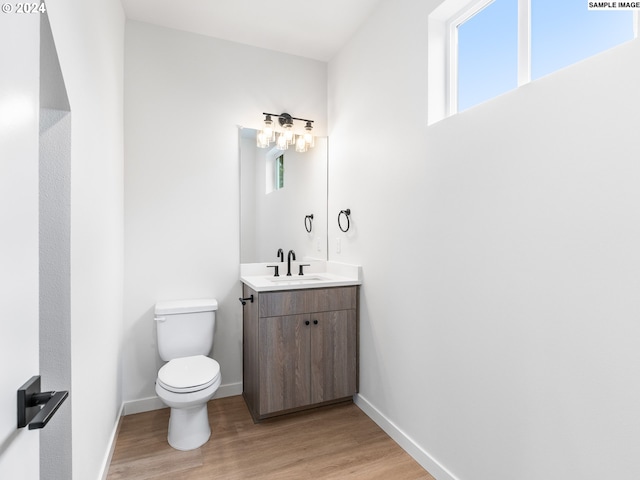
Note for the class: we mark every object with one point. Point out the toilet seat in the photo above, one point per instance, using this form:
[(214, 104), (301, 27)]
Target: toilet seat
[(189, 374)]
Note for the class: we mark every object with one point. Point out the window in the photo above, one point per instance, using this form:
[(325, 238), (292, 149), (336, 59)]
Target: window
[(280, 172), (496, 45), (487, 53), (274, 171), (563, 33)]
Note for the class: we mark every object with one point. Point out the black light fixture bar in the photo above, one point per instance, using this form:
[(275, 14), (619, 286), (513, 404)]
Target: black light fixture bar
[(286, 116)]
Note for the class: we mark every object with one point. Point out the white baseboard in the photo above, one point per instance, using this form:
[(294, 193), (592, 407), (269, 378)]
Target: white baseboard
[(142, 405), (401, 438), (154, 403), (112, 445)]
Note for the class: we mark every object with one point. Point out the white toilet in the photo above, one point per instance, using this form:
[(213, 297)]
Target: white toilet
[(190, 378)]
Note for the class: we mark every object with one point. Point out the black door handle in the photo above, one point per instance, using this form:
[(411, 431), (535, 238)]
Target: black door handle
[(35, 408)]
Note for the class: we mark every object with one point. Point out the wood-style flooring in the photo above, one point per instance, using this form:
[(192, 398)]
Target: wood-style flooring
[(337, 442)]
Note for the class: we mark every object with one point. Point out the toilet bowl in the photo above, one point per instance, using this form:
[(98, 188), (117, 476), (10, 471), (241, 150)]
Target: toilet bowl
[(185, 385)]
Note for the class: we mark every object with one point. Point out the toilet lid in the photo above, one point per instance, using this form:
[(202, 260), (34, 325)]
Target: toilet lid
[(189, 373)]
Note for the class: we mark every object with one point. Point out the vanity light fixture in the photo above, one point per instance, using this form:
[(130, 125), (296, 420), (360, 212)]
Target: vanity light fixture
[(285, 135)]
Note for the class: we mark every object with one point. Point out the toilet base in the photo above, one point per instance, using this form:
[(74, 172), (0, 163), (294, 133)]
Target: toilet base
[(188, 420), (189, 427)]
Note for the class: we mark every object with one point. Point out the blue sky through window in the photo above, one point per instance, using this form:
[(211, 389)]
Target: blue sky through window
[(488, 53), (563, 32)]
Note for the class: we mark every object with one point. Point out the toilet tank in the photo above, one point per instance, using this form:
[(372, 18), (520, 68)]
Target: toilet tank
[(185, 327)]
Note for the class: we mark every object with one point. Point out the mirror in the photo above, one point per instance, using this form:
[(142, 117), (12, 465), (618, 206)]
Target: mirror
[(279, 191)]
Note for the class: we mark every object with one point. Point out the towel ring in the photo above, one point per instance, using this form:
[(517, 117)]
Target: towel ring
[(346, 213), (308, 223)]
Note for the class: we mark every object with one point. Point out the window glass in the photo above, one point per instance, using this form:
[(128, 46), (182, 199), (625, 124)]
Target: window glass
[(565, 32), (488, 53), (280, 172)]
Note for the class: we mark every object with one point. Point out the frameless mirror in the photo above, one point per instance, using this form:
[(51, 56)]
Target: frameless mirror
[(283, 200)]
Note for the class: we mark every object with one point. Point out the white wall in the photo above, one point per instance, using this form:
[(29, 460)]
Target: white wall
[(89, 38), (185, 96), (500, 306)]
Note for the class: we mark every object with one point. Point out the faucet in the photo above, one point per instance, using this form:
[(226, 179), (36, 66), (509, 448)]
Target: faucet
[(280, 254), (291, 255)]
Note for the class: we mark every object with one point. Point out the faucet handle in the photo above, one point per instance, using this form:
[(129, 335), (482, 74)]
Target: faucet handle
[(301, 266), (276, 267)]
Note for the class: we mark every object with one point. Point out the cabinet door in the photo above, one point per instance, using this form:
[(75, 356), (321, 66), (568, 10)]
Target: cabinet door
[(284, 363), (333, 355)]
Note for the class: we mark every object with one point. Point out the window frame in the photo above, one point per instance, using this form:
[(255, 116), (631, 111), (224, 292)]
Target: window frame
[(461, 17), (464, 14)]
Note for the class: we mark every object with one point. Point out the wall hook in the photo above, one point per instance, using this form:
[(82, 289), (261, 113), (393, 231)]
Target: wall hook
[(308, 223), (346, 214)]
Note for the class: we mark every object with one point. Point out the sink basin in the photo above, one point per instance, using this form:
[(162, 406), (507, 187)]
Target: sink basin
[(297, 278), (259, 276)]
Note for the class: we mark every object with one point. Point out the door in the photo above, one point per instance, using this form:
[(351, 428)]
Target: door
[(19, 302), (333, 355), (284, 362)]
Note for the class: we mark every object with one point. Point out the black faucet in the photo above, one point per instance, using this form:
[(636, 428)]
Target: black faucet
[(291, 255), (280, 254)]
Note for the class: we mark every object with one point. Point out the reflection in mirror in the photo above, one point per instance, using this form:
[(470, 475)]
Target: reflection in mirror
[(278, 191)]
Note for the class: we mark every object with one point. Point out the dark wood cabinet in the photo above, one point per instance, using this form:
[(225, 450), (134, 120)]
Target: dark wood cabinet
[(300, 349)]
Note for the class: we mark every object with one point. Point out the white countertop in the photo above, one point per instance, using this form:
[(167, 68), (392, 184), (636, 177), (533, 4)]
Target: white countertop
[(318, 274)]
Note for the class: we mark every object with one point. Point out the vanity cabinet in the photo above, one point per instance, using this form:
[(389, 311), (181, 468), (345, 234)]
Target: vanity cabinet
[(300, 349)]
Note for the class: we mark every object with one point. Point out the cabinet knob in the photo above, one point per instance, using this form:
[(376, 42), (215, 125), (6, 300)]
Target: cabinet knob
[(306, 322), (315, 322)]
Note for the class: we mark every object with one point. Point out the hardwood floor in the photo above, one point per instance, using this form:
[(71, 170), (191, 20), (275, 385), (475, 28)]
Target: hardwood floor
[(337, 442)]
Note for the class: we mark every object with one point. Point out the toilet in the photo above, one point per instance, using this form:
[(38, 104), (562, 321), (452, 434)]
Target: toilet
[(190, 378)]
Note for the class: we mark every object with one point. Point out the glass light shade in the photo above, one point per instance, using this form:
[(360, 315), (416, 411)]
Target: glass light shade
[(309, 140), (288, 133), (301, 145), (262, 140), (282, 143), (308, 135), (268, 127)]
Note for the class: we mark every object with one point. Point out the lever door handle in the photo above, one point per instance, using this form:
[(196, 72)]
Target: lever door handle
[(51, 406), (36, 408)]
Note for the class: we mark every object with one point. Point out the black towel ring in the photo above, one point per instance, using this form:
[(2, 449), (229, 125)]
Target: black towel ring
[(308, 222), (346, 213)]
